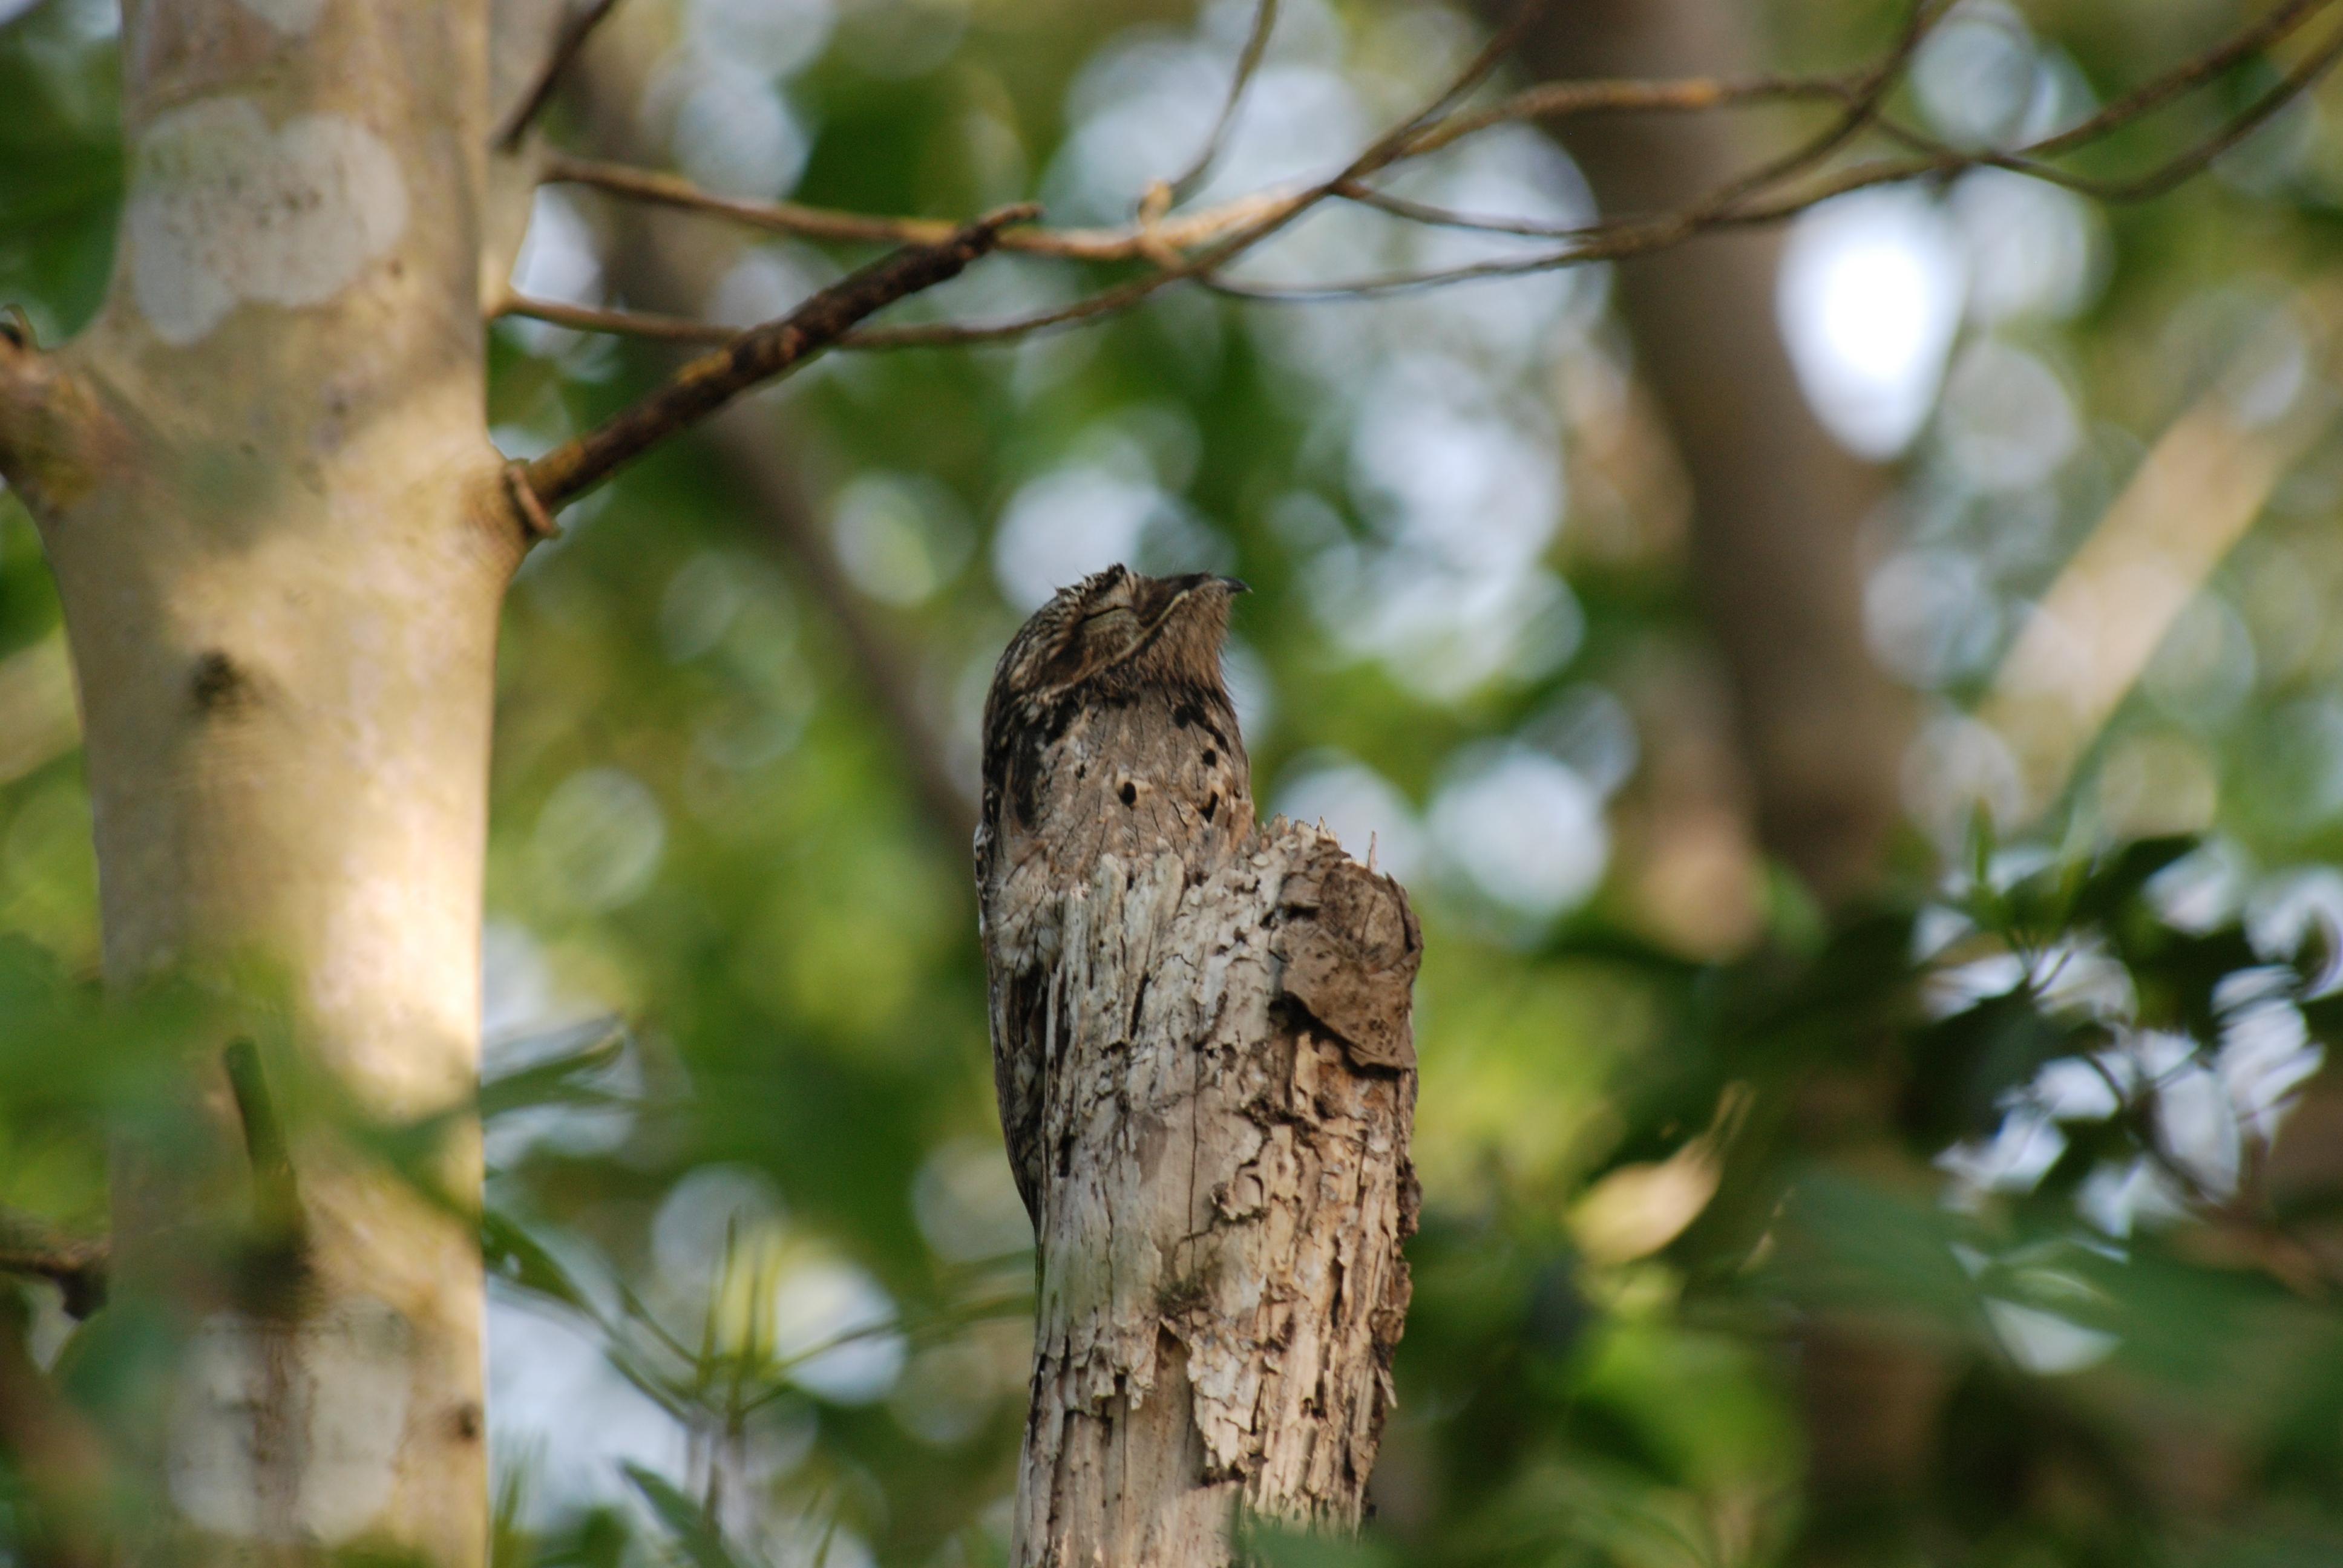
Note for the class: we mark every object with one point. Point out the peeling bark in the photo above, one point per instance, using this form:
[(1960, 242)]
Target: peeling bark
[(1222, 1285)]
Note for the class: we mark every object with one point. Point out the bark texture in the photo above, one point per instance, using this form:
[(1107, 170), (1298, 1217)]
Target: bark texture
[(1222, 1286), (265, 486)]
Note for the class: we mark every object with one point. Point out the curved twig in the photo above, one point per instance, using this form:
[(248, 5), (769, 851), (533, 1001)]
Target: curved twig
[(620, 323), (1569, 100), (1100, 245), (574, 34), (1256, 44), (2188, 164), (1196, 247), (2161, 90)]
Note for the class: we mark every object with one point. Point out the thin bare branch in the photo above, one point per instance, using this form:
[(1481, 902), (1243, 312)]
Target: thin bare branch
[(1864, 105), (2176, 171), (1196, 247), (1386, 150), (1568, 100), (2032, 160), (1619, 239), (1482, 66), (951, 333), (1613, 241), (622, 323), (780, 217), (1256, 46), (758, 354), (575, 31), (1433, 216), (2181, 79), (656, 327), (1251, 217), (1134, 243)]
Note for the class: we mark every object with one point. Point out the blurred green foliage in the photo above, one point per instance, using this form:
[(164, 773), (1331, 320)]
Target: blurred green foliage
[(759, 1278)]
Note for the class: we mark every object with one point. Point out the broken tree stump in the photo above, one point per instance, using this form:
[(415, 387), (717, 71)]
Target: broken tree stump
[(1229, 1095)]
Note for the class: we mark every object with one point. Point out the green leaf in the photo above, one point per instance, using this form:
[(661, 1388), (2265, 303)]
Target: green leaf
[(703, 1544), (510, 1250), (2115, 881), (583, 1050), (1264, 1543)]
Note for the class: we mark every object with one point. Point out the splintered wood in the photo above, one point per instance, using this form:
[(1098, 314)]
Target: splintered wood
[(1231, 1092)]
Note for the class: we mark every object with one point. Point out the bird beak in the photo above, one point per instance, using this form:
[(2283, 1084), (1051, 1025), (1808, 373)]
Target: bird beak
[(1193, 585)]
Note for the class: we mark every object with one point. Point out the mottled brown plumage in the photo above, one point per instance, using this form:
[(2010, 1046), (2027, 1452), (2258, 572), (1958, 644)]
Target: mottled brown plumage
[(1108, 731)]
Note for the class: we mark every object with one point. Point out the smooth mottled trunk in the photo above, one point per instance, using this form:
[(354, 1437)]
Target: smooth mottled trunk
[(265, 486), (1222, 1286)]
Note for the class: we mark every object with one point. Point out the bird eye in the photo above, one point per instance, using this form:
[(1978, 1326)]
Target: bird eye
[(1102, 614)]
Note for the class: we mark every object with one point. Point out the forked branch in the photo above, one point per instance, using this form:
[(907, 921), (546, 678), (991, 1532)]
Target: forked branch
[(756, 355), (1198, 245)]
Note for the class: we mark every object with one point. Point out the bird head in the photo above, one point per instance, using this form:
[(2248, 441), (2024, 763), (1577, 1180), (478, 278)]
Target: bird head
[(1143, 629)]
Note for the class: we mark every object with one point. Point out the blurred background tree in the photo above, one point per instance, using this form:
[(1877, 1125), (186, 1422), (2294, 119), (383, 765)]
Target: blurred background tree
[(1857, 705)]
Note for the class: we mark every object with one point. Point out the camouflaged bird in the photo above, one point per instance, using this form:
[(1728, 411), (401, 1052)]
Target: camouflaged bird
[(1108, 731)]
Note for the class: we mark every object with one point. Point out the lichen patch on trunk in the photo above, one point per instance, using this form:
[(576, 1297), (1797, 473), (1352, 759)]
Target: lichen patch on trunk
[(223, 210), (290, 1431)]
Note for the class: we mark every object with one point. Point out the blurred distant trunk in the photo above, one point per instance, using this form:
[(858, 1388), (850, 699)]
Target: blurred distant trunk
[(1776, 502), (1776, 508)]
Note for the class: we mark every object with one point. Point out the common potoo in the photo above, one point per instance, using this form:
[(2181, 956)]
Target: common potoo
[(1108, 731)]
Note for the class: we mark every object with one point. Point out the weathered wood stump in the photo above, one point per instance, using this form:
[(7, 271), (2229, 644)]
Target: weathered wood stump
[(1228, 1106)]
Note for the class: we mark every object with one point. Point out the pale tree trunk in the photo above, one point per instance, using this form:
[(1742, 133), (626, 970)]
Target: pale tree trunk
[(281, 537), (265, 490), (1221, 1287)]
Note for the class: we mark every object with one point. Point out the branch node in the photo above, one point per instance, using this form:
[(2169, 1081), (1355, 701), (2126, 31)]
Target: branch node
[(999, 218), (1153, 242), (534, 520), (53, 427)]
